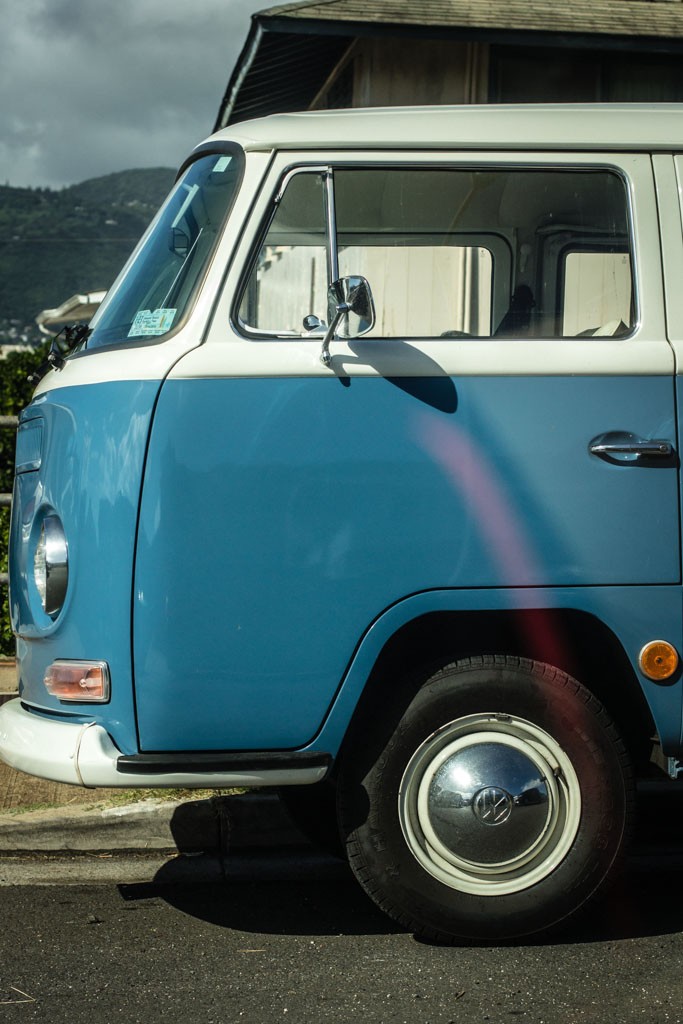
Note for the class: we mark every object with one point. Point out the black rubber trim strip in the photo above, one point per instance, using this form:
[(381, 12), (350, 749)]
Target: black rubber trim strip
[(173, 764)]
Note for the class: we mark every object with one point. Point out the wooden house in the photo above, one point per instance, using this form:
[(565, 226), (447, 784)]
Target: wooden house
[(318, 54)]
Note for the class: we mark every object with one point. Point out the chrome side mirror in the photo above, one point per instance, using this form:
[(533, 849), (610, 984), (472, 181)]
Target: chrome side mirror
[(351, 312)]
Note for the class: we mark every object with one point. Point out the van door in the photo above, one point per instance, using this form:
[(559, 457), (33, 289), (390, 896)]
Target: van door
[(508, 423)]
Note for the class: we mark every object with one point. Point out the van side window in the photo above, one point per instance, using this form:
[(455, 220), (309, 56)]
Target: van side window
[(480, 252)]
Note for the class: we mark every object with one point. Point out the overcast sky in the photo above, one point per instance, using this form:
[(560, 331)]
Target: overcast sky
[(93, 86)]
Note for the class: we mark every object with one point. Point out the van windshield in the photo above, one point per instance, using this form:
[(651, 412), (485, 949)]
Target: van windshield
[(158, 284)]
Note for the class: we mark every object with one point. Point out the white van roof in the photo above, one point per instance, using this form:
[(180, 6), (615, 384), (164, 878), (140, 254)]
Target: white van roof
[(623, 127)]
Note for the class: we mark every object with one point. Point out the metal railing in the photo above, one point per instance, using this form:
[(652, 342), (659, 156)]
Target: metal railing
[(6, 423)]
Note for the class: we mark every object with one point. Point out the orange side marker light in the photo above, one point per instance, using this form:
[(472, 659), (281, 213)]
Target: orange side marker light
[(658, 660)]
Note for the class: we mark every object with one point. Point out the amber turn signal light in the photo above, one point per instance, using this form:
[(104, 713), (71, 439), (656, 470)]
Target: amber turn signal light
[(83, 681), (658, 660)]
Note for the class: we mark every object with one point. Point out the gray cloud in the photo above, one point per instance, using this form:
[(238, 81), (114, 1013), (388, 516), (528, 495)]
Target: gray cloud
[(88, 88)]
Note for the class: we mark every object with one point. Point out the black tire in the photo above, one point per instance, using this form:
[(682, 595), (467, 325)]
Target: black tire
[(495, 808), (314, 812)]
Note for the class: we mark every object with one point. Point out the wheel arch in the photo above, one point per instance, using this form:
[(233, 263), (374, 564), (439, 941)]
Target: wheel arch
[(574, 641)]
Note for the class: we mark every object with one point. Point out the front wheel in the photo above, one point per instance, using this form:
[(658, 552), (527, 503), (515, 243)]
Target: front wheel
[(495, 808)]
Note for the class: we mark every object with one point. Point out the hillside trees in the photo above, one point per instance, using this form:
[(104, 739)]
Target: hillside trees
[(56, 243)]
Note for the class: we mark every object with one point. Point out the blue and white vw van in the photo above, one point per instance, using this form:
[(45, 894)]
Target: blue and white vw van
[(365, 484)]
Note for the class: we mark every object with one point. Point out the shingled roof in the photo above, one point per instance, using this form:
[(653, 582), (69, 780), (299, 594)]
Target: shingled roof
[(292, 47), (660, 18)]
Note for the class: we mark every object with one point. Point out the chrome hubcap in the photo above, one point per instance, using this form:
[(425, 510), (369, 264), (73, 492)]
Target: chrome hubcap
[(490, 804)]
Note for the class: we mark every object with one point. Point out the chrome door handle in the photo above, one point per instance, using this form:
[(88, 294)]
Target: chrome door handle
[(628, 447), (651, 448)]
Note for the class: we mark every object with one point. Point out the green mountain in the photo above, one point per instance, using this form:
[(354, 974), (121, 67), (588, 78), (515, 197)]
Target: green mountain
[(55, 243)]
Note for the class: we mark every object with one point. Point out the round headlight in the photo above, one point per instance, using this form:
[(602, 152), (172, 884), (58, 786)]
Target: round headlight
[(51, 565)]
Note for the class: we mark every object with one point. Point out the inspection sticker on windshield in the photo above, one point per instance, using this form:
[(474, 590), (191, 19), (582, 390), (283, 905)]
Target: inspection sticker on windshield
[(150, 322)]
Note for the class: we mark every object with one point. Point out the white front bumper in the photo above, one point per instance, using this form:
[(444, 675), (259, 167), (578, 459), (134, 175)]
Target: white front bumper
[(85, 755)]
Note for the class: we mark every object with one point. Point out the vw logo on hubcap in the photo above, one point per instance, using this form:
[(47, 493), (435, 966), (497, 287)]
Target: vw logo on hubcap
[(492, 806)]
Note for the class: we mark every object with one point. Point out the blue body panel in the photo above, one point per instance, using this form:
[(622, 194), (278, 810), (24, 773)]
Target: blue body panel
[(93, 447), (281, 517)]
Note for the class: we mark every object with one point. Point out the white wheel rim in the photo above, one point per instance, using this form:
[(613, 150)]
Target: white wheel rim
[(490, 804)]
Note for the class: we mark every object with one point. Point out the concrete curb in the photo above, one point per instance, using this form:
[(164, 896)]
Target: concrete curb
[(160, 869), (218, 825)]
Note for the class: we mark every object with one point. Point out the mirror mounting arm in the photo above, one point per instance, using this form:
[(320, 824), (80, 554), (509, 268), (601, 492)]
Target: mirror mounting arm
[(341, 310)]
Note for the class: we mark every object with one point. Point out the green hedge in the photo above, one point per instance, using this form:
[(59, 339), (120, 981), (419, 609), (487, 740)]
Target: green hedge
[(15, 394)]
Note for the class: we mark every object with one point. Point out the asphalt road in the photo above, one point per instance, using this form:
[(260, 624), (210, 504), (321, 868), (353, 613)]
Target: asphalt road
[(266, 948), (294, 939)]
